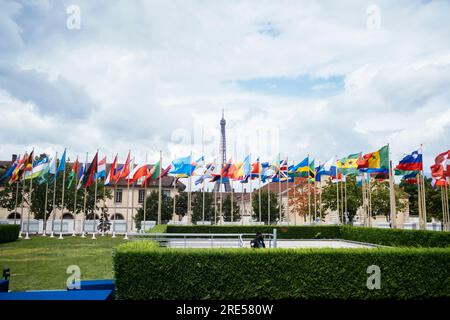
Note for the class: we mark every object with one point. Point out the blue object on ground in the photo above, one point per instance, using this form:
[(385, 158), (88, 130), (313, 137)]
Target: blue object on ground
[(105, 284), (59, 295), (4, 285)]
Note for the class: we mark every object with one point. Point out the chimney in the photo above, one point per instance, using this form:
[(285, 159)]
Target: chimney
[(14, 157)]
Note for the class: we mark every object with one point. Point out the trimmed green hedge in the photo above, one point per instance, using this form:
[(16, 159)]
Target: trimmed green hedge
[(396, 237), (145, 271), (160, 228), (387, 237), (9, 232), (291, 232)]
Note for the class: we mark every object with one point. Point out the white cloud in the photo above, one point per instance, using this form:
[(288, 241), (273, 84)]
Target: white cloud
[(155, 71)]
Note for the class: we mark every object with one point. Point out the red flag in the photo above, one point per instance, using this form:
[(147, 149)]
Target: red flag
[(124, 171), (138, 172), (90, 176), (112, 172)]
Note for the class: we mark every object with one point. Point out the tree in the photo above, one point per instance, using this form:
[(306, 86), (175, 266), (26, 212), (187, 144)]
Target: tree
[(181, 203), (152, 209), (299, 202), (197, 206), (354, 197), (226, 209), (274, 207), (432, 199), (380, 196)]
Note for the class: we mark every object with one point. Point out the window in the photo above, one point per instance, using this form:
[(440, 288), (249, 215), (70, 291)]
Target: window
[(141, 196), (118, 197)]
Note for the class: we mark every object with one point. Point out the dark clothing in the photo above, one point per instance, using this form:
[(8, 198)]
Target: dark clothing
[(258, 242)]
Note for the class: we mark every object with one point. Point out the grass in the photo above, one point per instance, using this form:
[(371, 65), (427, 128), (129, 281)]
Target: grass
[(41, 263)]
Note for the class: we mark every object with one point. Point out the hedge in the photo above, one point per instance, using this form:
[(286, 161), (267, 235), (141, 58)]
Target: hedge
[(145, 271), (396, 237), (159, 228), (9, 232), (387, 237), (291, 232)]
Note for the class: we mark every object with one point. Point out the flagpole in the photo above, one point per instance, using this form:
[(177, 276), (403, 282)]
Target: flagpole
[(17, 197), (268, 203), (444, 210), (315, 199), (337, 193), (259, 189), (75, 201), (279, 187), (145, 196), (62, 196), (132, 196), (29, 197), (203, 201), (320, 199), (392, 194), (231, 182), (104, 202), (295, 209), (54, 197), (220, 197), (95, 199), (159, 188), (345, 196), (84, 200), (174, 199), (447, 218), (424, 204), (21, 207), (44, 225), (288, 218)]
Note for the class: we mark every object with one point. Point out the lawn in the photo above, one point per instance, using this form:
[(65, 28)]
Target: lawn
[(41, 263)]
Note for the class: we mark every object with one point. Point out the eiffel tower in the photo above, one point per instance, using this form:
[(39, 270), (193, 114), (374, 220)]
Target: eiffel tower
[(223, 152)]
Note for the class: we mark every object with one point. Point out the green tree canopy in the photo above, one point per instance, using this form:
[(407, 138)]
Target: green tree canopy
[(274, 207)]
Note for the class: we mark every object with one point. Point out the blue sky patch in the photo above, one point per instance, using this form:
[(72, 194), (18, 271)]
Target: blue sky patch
[(301, 86)]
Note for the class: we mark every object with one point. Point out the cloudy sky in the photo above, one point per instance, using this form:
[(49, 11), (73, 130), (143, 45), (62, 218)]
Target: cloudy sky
[(322, 78)]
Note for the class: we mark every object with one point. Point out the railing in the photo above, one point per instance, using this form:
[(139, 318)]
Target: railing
[(202, 240)]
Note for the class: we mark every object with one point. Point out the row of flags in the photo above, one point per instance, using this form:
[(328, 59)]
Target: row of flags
[(374, 164)]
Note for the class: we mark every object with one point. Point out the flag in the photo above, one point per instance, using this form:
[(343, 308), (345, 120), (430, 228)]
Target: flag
[(28, 165), (10, 171), (46, 176), (377, 161), (152, 174), (138, 172), (440, 169), (73, 173), (411, 177), (39, 167), (101, 169), (15, 173), (348, 165), (411, 162), (123, 171), (301, 169), (89, 177), (182, 167), (327, 169), (164, 172), (112, 172), (224, 172), (207, 173), (236, 172), (61, 166), (81, 176)]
